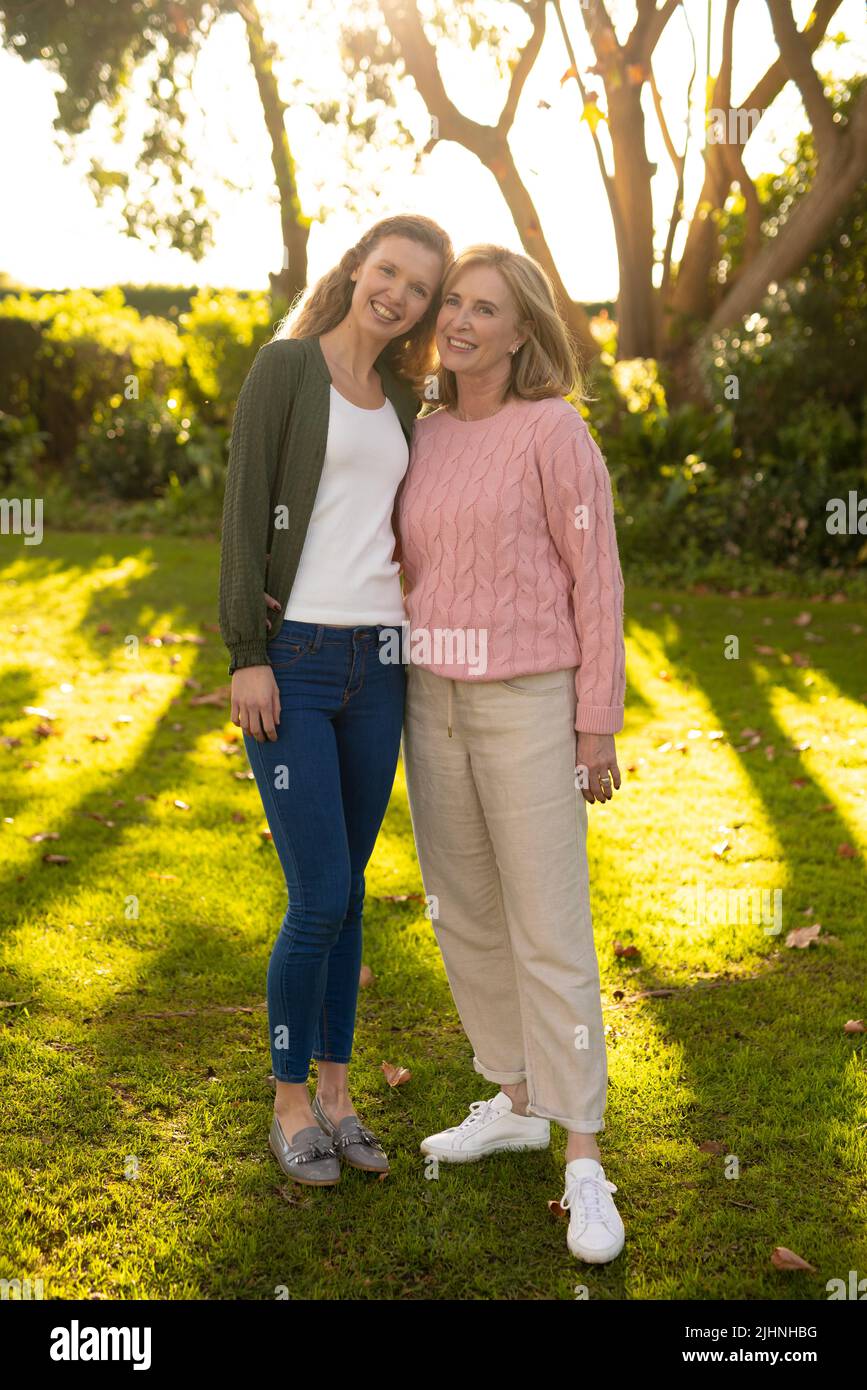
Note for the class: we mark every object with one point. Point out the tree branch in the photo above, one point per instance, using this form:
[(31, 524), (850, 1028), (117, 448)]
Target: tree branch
[(796, 56), (528, 55)]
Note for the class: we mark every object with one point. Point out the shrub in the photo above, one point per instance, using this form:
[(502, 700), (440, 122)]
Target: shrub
[(222, 332)]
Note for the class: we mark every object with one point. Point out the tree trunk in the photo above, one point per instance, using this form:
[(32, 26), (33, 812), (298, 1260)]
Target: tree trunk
[(637, 300), (291, 279)]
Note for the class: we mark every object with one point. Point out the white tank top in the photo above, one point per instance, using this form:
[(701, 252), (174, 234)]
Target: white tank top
[(346, 575)]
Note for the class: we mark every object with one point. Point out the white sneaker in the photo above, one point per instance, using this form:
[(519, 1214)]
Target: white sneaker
[(596, 1231), (491, 1127)]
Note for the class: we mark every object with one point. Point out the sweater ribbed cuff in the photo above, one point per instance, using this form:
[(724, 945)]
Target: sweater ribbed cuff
[(253, 653), (599, 719)]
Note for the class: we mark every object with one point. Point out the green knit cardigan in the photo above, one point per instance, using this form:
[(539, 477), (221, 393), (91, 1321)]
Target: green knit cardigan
[(276, 454)]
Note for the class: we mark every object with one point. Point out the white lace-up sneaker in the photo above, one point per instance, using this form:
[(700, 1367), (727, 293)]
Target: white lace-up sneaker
[(491, 1127), (596, 1231)]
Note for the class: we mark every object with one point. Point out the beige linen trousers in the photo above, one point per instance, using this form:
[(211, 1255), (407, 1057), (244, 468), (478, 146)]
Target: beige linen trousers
[(501, 835)]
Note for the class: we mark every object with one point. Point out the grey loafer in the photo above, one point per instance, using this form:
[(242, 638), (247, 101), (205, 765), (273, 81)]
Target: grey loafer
[(353, 1142), (310, 1158)]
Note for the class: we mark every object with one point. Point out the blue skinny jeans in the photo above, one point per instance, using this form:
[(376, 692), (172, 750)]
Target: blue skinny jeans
[(325, 783)]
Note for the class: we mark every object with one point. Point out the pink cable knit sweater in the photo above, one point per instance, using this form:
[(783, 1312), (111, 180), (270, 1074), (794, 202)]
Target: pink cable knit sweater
[(506, 526)]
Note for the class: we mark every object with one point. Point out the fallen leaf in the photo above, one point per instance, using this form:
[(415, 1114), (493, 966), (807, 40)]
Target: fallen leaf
[(104, 629), (365, 977), (854, 1025), (799, 782), (846, 851), (625, 951), (556, 1210), (764, 651), (802, 619), (801, 937), (181, 805), (395, 1076), (98, 738), (39, 712), (238, 817), (55, 858), (215, 697), (722, 847), (712, 1146), (782, 1258), (43, 835)]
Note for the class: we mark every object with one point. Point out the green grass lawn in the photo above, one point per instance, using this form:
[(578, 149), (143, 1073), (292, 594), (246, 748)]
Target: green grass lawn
[(136, 1100)]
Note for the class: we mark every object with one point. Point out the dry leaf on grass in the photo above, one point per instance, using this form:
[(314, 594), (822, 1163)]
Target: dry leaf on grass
[(802, 937), (782, 1258), (854, 1025), (627, 951), (365, 977), (215, 697), (395, 1076)]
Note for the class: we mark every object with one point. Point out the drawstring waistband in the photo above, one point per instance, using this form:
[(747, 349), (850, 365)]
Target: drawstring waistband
[(449, 713)]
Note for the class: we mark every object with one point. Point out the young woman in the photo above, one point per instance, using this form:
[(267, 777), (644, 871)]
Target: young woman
[(514, 596), (319, 447)]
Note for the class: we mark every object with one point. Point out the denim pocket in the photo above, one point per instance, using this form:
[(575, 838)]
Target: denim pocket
[(292, 641)]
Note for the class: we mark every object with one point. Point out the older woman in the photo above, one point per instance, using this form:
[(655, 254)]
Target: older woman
[(516, 682)]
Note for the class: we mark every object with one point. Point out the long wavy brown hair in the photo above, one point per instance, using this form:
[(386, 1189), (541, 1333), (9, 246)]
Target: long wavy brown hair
[(548, 363), (323, 307)]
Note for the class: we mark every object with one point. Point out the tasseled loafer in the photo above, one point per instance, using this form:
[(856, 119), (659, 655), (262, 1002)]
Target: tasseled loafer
[(310, 1158), (353, 1142)]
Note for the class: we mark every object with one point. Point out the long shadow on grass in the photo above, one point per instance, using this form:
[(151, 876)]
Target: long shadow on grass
[(735, 1039), (157, 767)]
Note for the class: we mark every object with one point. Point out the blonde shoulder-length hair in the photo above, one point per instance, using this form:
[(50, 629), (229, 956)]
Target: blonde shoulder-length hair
[(327, 303), (548, 363)]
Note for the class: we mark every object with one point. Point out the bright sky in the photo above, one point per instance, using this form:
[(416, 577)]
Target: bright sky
[(53, 235)]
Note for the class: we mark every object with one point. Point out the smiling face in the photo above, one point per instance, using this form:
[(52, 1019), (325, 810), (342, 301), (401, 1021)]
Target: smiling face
[(394, 286), (477, 325)]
